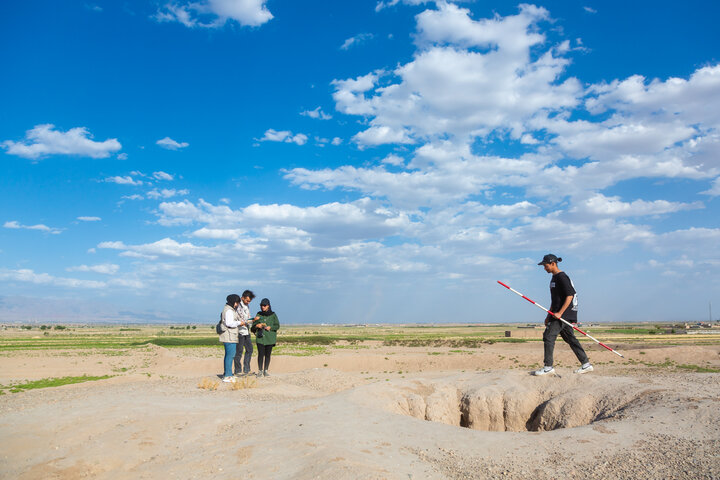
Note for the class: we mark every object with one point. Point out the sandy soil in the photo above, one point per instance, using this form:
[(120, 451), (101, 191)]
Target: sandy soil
[(370, 413)]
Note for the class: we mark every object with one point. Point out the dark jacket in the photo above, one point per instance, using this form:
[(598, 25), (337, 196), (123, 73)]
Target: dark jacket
[(269, 336)]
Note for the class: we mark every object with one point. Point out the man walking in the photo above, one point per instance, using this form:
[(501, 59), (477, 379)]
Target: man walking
[(564, 304), (244, 340)]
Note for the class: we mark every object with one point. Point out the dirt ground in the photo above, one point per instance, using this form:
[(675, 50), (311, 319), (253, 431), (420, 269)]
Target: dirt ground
[(372, 412)]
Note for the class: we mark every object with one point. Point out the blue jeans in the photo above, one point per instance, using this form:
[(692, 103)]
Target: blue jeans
[(230, 349)]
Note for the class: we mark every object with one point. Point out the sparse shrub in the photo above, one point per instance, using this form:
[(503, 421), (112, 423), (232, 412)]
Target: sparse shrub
[(207, 384), (60, 327), (243, 383)]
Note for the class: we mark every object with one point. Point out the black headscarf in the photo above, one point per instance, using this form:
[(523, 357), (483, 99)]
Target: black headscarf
[(269, 311)]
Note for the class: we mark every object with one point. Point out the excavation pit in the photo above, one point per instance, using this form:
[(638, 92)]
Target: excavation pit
[(509, 406)]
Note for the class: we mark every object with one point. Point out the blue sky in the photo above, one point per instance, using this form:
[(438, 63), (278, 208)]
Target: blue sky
[(368, 161)]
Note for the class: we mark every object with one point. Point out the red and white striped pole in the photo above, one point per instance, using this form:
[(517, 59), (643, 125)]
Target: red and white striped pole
[(561, 319)]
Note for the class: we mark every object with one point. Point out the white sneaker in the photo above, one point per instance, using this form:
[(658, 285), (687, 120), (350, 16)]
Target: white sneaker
[(585, 368), (229, 379), (544, 371)]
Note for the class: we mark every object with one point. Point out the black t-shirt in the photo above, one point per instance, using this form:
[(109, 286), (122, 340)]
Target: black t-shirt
[(562, 287)]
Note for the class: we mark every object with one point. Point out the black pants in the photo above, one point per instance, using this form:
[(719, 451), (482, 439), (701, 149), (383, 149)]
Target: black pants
[(552, 330), (264, 352), (242, 362)]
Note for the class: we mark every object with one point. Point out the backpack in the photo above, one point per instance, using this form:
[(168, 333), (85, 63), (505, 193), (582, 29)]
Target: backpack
[(221, 328)]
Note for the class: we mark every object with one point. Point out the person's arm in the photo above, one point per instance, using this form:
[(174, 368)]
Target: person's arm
[(275, 324), (230, 319), (565, 305)]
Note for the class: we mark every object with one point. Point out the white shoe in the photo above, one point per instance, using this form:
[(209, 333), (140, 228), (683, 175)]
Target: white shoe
[(229, 379), (585, 368), (544, 371)]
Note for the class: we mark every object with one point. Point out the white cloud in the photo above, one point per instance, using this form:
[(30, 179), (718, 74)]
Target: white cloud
[(29, 276), (356, 40), (170, 144), (284, 136), (166, 193), (589, 10), (13, 224), (336, 141), (393, 159), (331, 222), (450, 88), (215, 13), (382, 135), (126, 180), (600, 205), (44, 140), (122, 156), (316, 113), (105, 268), (89, 219), (714, 190), (163, 176), (391, 3), (166, 247)]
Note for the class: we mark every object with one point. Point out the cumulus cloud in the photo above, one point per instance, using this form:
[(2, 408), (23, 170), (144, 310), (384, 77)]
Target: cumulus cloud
[(316, 113), (89, 219), (13, 224), (166, 247), (163, 176), (170, 144), (44, 140), (468, 78), (215, 13), (126, 180), (284, 136)]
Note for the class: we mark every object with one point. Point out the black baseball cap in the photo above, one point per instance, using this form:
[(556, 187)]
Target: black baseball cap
[(550, 258)]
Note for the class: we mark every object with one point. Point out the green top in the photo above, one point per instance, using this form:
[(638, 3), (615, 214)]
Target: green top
[(269, 336)]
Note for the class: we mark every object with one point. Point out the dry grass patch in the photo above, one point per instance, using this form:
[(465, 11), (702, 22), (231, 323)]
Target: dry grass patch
[(207, 384), (243, 383)]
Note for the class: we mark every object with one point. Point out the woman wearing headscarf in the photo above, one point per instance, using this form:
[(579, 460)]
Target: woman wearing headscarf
[(265, 326), (228, 329)]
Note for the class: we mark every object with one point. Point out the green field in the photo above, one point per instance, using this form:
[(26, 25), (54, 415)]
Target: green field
[(299, 338)]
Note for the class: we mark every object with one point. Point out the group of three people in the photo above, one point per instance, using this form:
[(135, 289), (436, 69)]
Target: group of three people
[(237, 335)]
